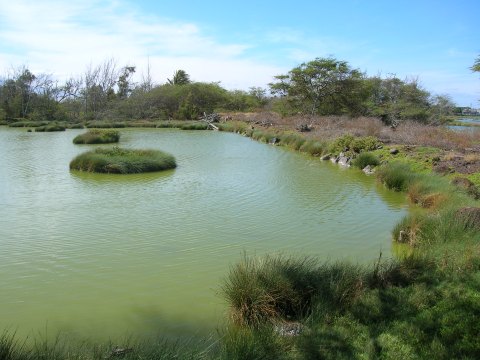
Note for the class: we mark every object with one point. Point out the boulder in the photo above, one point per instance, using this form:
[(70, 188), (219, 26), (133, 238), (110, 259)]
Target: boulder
[(326, 157), (369, 170), (394, 151), (273, 141), (343, 160)]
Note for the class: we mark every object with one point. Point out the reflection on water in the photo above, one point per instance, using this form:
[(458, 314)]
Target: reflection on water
[(104, 255)]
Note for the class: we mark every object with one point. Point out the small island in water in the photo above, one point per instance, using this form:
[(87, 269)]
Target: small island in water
[(96, 136), (123, 161)]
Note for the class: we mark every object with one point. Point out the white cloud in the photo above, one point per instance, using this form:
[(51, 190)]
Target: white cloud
[(63, 38)]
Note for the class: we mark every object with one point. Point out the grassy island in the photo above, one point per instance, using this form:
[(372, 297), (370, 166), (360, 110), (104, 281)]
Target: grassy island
[(50, 128), (123, 161), (96, 136)]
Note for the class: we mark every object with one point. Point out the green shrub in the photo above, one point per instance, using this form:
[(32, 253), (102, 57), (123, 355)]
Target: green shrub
[(365, 158), (96, 136), (349, 143), (123, 161)]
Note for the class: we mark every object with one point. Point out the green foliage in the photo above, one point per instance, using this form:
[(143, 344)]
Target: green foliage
[(364, 159), (350, 143), (248, 344), (97, 137), (123, 161), (321, 86)]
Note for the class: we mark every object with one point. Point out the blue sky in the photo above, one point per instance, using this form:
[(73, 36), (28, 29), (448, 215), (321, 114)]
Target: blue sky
[(244, 44)]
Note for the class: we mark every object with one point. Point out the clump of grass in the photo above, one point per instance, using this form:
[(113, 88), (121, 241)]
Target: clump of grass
[(364, 159), (96, 136), (284, 288), (194, 126), (105, 124), (313, 147), (123, 161), (50, 128), (395, 176)]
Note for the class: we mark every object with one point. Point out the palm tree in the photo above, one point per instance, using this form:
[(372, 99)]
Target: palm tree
[(180, 77)]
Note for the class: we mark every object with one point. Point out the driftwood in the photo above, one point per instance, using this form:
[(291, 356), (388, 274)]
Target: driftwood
[(210, 119)]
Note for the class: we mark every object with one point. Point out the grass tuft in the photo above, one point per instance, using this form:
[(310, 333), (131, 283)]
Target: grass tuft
[(123, 161)]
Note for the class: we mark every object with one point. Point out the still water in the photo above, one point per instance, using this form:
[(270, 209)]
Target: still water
[(103, 256)]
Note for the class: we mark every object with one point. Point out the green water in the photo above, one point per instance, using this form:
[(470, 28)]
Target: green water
[(102, 256)]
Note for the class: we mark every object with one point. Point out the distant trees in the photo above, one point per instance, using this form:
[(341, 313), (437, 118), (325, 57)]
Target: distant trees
[(323, 86), (327, 86)]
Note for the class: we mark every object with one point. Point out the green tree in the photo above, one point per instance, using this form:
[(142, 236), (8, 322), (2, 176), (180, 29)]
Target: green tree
[(476, 65), (123, 83), (180, 77), (321, 86)]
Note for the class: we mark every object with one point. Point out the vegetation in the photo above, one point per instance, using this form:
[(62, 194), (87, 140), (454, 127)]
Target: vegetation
[(97, 137), (123, 161), (364, 159), (50, 128), (323, 86)]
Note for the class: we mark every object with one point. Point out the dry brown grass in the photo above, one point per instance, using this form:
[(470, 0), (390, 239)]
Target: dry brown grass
[(412, 133), (327, 128)]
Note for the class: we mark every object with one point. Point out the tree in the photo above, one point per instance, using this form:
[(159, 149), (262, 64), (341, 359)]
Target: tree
[(180, 77), (321, 86), (476, 65), (123, 83)]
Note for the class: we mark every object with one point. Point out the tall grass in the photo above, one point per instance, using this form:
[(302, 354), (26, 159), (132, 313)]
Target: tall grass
[(364, 159), (123, 161), (396, 176), (96, 136)]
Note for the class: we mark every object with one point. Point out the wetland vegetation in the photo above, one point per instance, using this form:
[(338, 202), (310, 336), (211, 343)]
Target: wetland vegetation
[(123, 161), (97, 137), (421, 303)]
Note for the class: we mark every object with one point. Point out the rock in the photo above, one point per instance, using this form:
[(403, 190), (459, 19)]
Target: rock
[(304, 128), (470, 216), (343, 160), (289, 329), (369, 169), (394, 151), (118, 352), (273, 141), (334, 159), (326, 157)]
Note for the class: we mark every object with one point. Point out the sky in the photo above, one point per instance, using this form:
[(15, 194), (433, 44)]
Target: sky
[(246, 43)]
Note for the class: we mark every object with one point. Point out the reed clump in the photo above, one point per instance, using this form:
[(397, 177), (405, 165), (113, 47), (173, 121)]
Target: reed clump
[(123, 161), (96, 136)]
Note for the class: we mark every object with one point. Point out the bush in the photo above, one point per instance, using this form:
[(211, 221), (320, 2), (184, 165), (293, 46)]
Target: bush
[(97, 137), (353, 144), (364, 159), (123, 161)]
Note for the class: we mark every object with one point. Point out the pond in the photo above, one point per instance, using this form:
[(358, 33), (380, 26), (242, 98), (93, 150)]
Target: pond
[(101, 256)]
